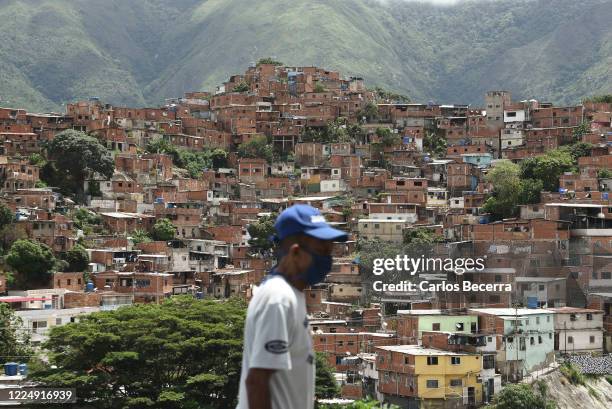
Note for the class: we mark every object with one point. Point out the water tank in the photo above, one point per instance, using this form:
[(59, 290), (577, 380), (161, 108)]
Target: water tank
[(89, 287), (11, 368), (23, 369), (532, 302)]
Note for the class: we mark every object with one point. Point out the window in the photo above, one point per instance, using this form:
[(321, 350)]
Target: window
[(531, 341), (338, 359), (488, 362), (432, 383), (58, 321), (541, 287), (606, 275), (435, 326), (573, 317), (456, 382), (539, 339), (406, 360), (432, 360), (589, 317), (570, 340), (537, 320), (592, 339), (455, 360), (498, 278), (459, 326)]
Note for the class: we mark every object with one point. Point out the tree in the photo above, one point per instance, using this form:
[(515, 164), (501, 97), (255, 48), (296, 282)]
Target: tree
[(6, 216), (268, 60), (257, 147), (530, 190), (577, 150), (184, 353), (505, 178), (604, 98), (140, 236), (369, 112), (604, 174), (435, 145), (163, 230), (77, 258), (260, 232), (319, 88), (387, 137), (421, 236), (581, 130), (242, 87), (77, 157), (33, 261), (548, 168), (391, 96), (218, 158), (522, 396), (14, 343), (325, 382), (36, 159)]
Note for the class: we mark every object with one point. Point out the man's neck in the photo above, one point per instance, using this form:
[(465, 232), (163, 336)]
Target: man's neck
[(293, 280)]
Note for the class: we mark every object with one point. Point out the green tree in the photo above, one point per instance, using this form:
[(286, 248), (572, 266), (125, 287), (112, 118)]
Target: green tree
[(604, 98), (530, 190), (257, 147), (522, 396), (268, 60), (260, 232), (548, 168), (358, 404), (391, 96), (577, 150), (33, 261), (183, 353), (242, 87), (435, 145), (505, 178), (163, 230), (369, 112), (77, 258), (76, 157), (218, 158), (6, 216), (581, 130), (140, 236), (604, 174), (325, 382), (14, 343), (388, 138), (37, 159), (421, 236), (319, 88)]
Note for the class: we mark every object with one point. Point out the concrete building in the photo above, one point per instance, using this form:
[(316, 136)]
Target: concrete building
[(578, 330)]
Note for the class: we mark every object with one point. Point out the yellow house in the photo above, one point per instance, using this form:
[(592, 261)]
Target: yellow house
[(448, 375), (434, 378)]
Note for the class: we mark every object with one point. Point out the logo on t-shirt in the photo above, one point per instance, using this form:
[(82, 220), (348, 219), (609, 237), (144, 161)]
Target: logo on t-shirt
[(277, 346)]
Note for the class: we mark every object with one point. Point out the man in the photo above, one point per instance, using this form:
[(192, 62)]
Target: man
[(278, 359)]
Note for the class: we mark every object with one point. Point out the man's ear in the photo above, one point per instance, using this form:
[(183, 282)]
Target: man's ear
[(294, 249)]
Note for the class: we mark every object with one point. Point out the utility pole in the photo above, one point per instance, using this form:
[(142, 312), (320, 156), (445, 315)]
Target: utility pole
[(517, 339)]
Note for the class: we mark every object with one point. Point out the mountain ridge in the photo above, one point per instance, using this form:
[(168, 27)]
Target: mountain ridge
[(138, 52)]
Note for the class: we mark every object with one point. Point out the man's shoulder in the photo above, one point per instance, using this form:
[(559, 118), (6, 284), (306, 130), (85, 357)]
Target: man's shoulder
[(275, 290)]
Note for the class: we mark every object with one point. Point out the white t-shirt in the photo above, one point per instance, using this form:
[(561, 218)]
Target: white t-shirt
[(277, 336)]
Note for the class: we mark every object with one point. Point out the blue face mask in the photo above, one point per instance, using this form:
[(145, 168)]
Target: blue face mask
[(319, 267)]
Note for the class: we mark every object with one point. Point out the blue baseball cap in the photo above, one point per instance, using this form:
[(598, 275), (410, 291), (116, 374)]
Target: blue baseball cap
[(304, 219)]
